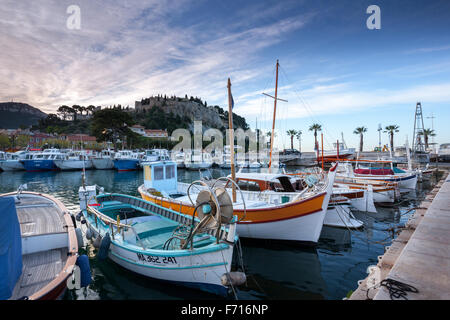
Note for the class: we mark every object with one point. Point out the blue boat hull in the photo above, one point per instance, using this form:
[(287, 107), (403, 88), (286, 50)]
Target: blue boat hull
[(39, 165), (126, 164)]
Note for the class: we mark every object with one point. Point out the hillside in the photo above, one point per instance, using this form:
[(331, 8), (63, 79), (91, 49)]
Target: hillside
[(16, 114), (189, 109)]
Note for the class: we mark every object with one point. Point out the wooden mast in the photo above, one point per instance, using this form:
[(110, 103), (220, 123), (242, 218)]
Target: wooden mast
[(274, 114), (230, 126)]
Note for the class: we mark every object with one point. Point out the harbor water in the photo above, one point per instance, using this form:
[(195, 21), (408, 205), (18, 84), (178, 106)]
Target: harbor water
[(274, 270)]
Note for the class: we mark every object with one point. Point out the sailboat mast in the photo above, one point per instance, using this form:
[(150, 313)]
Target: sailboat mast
[(274, 115), (230, 126)]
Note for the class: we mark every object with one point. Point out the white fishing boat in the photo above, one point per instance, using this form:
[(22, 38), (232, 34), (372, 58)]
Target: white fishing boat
[(155, 155), (75, 160), (339, 151), (382, 192), (11, 161), (179, 157), (255, 165), (162, 243), (198, 161), (383, 171), (265, 213), (339, 214), (104, 160)]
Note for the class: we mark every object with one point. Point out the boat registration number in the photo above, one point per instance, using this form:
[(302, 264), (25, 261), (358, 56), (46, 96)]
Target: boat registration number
[(152, 259)]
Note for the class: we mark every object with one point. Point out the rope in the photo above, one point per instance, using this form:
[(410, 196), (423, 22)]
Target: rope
[(398, 289)]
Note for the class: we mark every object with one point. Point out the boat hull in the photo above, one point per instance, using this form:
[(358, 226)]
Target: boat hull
[(198, 166), (67, 165), (11, 165), (187, 271), (406, 183), (201, 268), (339, 216), (39, 165), (296, 221), (103, 164), (126, 164)]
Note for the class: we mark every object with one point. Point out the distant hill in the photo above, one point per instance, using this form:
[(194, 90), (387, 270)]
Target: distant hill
[(15, 114), (191, 108)]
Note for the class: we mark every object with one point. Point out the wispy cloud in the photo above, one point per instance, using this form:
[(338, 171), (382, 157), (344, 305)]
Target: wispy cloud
[(124, 51), (428, 49)]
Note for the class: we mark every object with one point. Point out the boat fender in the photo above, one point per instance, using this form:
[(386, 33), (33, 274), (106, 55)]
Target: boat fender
[(97, 241), (74, 222), (104, 247), (79, 215), (233, 278), (89, 233), (79, 237), (85, 270)]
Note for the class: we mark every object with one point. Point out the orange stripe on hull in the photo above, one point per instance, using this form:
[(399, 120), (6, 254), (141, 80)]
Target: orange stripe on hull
[(281, 212)]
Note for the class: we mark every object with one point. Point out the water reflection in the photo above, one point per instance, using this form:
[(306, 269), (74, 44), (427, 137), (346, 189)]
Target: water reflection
[(280, 271), (275, 271)]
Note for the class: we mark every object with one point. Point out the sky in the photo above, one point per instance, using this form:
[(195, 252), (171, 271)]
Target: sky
[(334, 70)]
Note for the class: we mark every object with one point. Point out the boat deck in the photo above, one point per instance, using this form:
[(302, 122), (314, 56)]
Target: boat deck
[(39, 216), (154, 231), (38, 270)]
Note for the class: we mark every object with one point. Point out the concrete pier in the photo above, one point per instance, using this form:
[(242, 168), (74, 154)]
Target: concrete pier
[(419, 256)]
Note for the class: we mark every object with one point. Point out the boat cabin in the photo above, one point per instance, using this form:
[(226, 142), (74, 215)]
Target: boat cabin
[(273, 182), (161, 176)]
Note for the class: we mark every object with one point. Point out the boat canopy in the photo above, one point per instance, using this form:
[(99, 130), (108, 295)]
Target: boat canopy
[(10, 248)]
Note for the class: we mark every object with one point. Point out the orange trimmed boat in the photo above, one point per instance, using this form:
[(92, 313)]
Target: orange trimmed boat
[(261, 215)]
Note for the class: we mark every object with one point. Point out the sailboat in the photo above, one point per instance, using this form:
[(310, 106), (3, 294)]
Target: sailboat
[(261, 215)]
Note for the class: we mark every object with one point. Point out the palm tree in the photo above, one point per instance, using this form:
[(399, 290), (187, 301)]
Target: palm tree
[(391, 130), (360, 131), (315, 127), (299, 137), (427, 133), (292, 133)]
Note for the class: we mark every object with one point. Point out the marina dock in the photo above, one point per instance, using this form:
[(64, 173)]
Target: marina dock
[(419, 257)]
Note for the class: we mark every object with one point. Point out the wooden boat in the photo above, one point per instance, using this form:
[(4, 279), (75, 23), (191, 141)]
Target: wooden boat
[(162, 243), (41, 244), (407, 180), (295, 216), (381, 191)]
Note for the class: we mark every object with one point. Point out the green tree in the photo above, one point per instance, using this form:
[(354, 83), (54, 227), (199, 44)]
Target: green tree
[(315, 127), (292, 133), (4, 141), (75, 110), (391, 129), (64, 111), (112, 124), (426, 133), (22, 141), (360, 131)]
